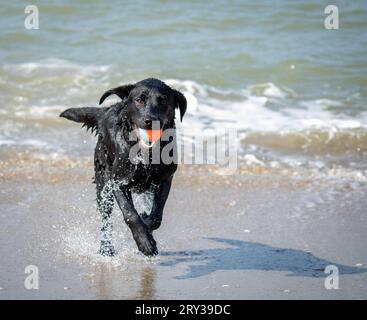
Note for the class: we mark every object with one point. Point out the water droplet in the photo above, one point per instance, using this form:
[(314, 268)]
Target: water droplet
[(232, 203)]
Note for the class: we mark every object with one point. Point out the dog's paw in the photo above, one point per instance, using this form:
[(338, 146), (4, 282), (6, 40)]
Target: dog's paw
[(107, 249), (146, 243)]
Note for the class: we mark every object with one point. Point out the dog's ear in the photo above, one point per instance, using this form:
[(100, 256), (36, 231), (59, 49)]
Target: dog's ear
[(181, 103), (88, 116), (122, 92)]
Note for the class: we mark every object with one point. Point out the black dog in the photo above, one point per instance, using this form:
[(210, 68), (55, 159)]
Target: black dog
[(116, 175)]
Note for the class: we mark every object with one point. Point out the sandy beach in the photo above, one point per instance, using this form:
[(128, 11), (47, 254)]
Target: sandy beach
[(256, 234)]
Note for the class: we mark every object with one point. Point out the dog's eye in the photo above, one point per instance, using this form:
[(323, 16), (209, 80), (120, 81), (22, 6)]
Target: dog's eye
[(139, 102)]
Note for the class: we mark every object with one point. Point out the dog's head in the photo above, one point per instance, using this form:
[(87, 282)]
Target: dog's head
[(150, 100), (148, 104)]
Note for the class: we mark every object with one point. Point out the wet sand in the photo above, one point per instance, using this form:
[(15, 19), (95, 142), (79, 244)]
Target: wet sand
[(253, 235)]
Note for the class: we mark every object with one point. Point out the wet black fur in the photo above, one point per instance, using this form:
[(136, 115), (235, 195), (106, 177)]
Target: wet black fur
[(116, 176)]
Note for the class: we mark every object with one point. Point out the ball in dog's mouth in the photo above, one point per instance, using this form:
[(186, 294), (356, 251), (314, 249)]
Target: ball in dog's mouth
[(148, 137)]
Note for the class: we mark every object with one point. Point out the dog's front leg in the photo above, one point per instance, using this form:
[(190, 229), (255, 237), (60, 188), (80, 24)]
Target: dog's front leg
[(141, 234), (153, 221)]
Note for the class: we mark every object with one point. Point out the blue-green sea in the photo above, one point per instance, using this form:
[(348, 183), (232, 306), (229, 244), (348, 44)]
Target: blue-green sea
[(295, 91)]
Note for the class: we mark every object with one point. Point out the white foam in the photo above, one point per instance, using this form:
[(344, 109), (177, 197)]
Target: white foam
[(269, 89), (37, 111), (52, 64), (250, 159), (34, 143), (253, 113), (6, 142)]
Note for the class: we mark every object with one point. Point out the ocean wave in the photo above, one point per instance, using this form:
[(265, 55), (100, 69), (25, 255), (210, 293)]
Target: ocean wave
[(267, 116), (252, 109)]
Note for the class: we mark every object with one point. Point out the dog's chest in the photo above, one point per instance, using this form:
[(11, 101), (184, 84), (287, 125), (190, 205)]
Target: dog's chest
[(143, 176)]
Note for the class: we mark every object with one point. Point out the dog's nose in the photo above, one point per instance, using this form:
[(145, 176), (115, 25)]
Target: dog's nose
[(148, 122)]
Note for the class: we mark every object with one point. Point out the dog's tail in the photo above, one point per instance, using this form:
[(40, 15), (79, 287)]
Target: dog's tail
[(89, 116)]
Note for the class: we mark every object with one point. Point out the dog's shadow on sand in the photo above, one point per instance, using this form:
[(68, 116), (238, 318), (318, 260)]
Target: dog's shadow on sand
[(245, 255)]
